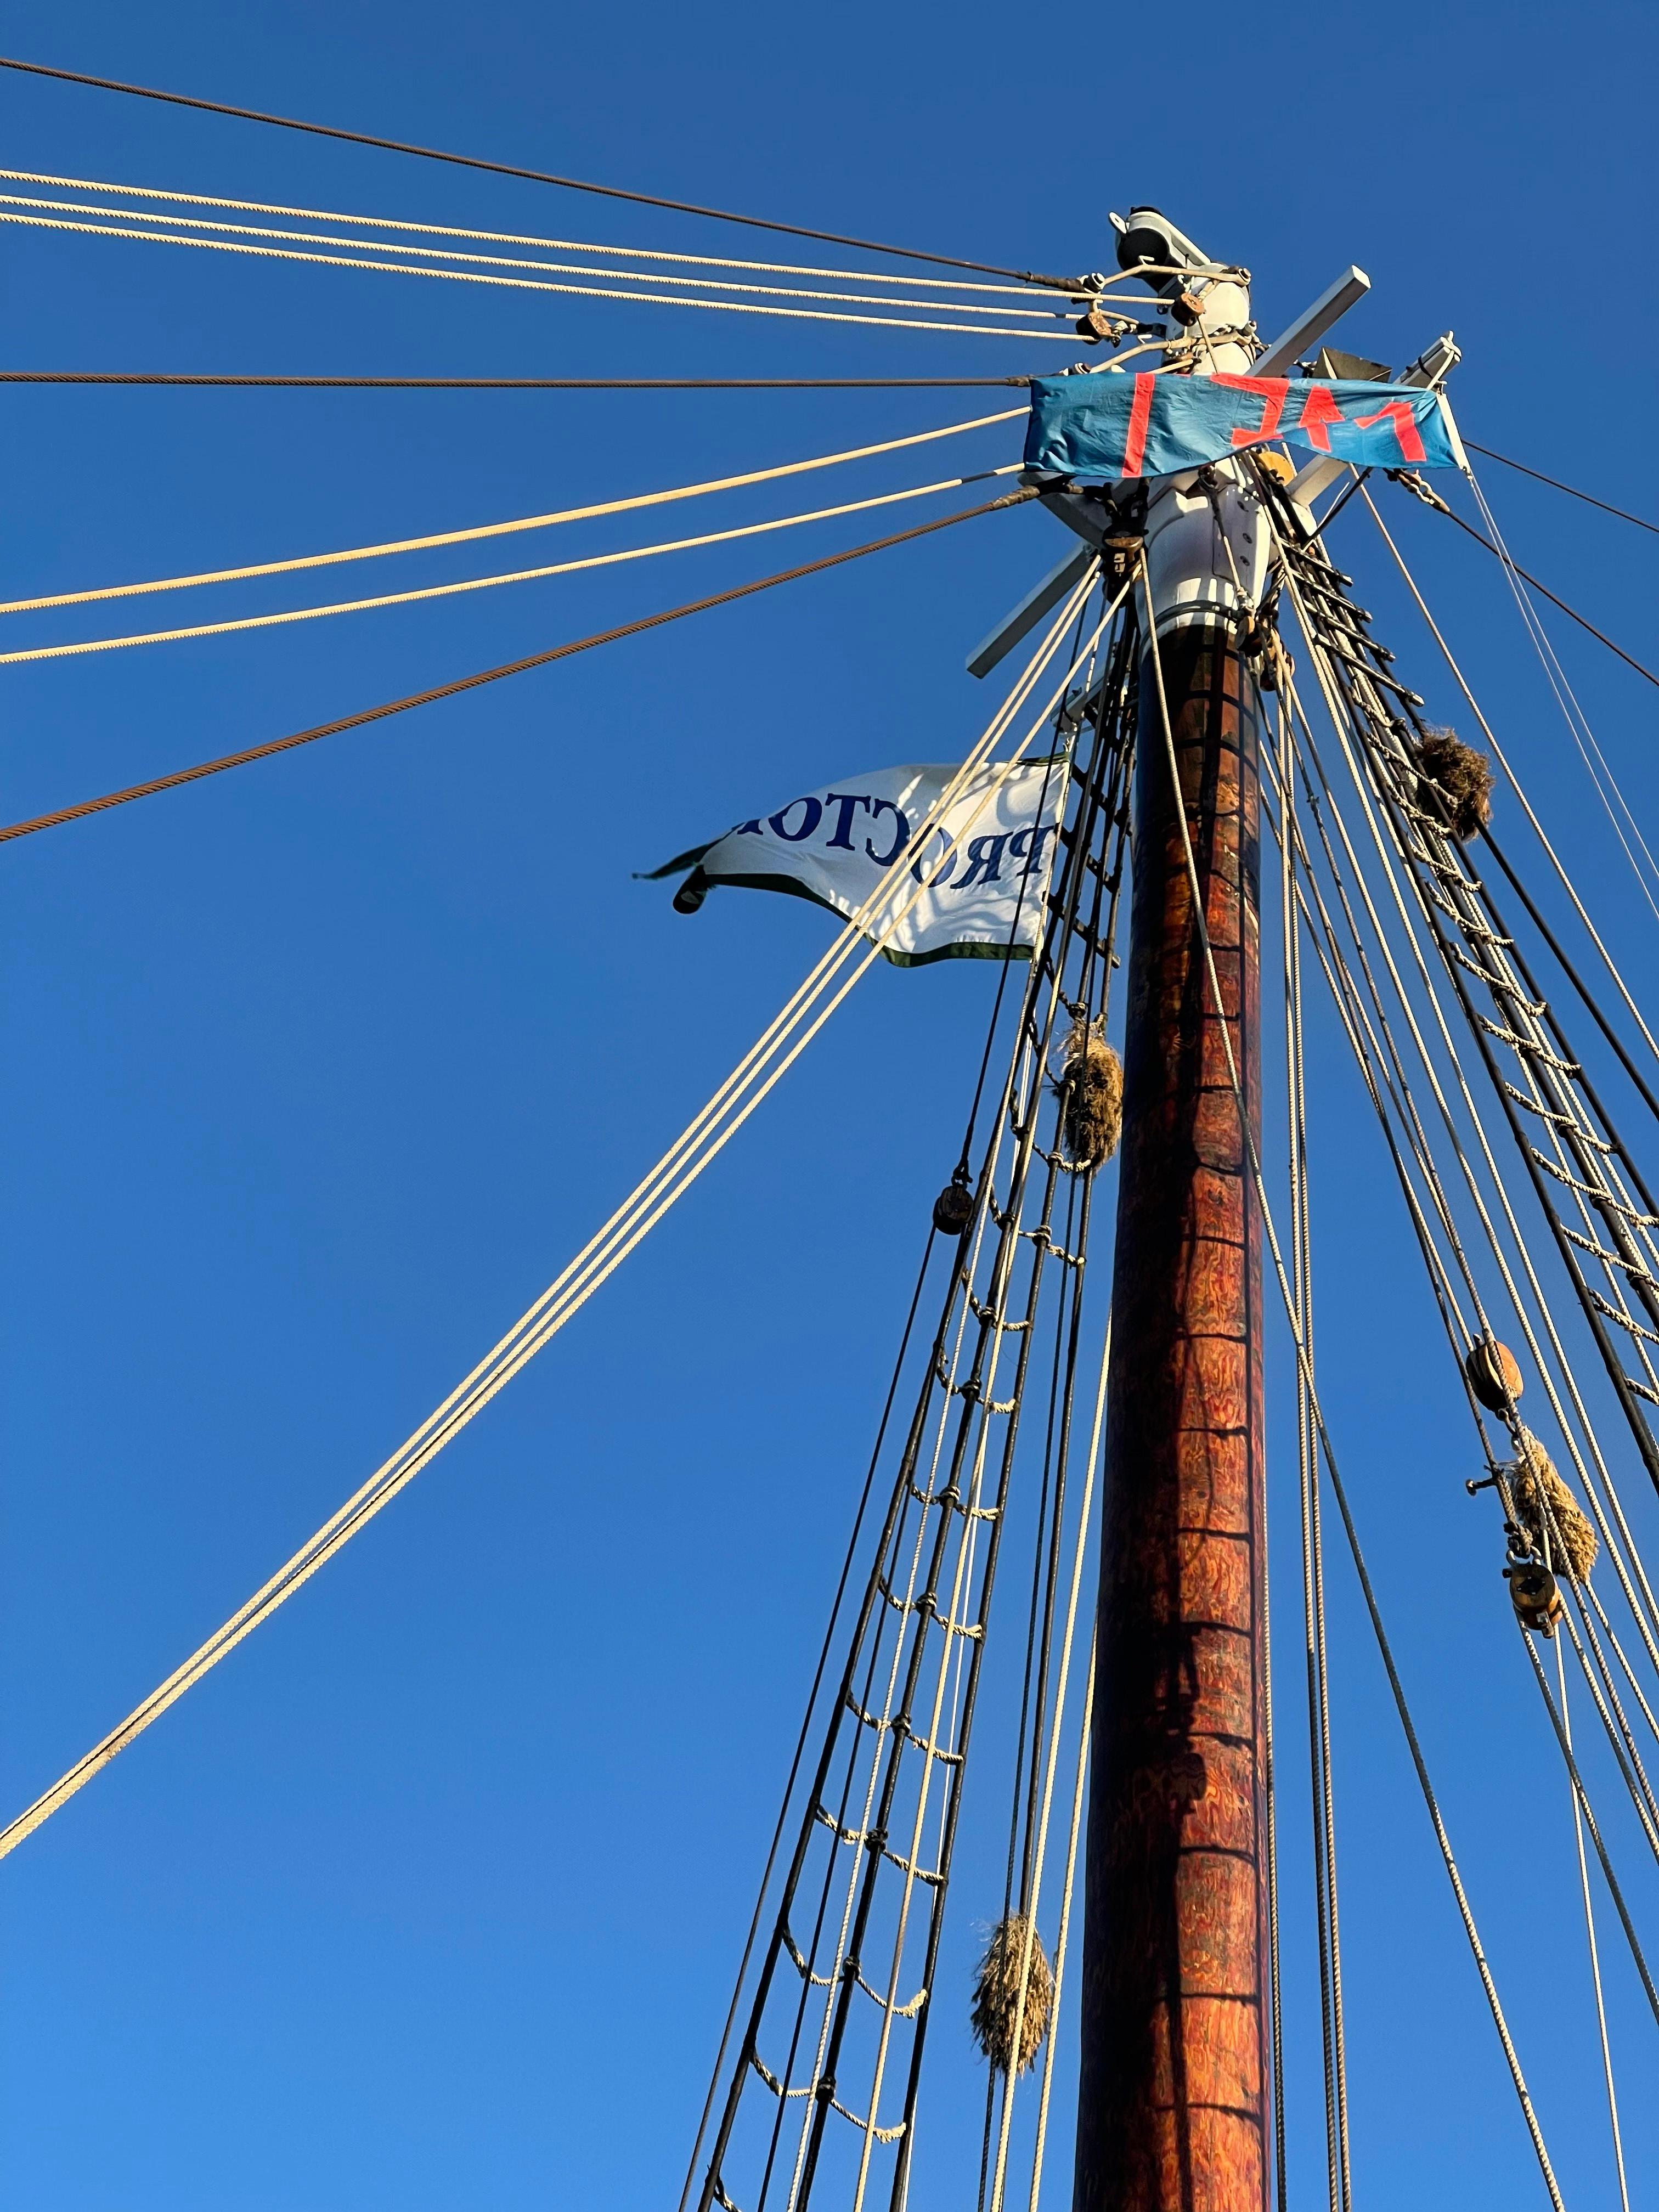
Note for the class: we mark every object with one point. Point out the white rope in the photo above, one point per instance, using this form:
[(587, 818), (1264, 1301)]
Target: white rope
[(513, 238), (1544, 1310), (520, 283), (486, 583), (1616, 2131), (509, 261), (1063, 1938), (505, 529), (1548, 1375), (1079, 1549), (1567, 881), (1573, 712), (1219, 1006), (780, 1045), (953, 1618)]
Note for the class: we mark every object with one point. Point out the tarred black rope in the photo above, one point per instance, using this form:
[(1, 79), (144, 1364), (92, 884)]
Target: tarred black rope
[(531, 176), (1572, 613), (1571, 490), (515, 383), (490, 675)]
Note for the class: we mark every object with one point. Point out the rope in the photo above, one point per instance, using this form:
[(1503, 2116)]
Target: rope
[(1581, 1797), (532, 176), (1573, 712), (1313, 1559), (615, 276), (806, 1721), (1063, 1938), (1031, 1901), (496, 237), (1631, 1769), (518, 284), (1304, 1366), (1614, 1721), (180, 776), (1628, 1760), (502, 529), (487, 583), (1583, 621), (1555, 484), (516, 383), (761, 1069), (1594, 1949), (1566, 880)]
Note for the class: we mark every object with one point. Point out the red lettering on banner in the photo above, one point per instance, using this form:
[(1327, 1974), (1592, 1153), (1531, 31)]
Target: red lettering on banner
[(1319, 412), (1140, 416), (1399, 413), (1273, 391)]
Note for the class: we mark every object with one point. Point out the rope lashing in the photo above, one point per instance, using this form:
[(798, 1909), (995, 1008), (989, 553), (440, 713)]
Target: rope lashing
[(182, 776)]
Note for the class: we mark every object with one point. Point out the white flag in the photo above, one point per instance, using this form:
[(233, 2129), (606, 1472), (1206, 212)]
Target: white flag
[(986, 861)]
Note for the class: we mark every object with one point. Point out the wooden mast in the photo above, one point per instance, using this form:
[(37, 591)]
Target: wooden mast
[(1175, 2095)]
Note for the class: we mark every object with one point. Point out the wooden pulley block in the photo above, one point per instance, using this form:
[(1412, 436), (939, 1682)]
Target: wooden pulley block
[(1493, 1375), (1536, 1597), (953, 1209)]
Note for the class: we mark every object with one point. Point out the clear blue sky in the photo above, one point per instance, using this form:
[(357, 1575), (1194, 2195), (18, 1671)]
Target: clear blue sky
[(318, 1072)]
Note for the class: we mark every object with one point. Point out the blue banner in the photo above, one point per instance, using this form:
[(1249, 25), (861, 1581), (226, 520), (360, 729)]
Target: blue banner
[(1105, 426)]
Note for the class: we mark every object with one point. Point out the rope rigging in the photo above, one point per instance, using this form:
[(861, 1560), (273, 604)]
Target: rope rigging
[(909, 1678), (180, 777), (379, 601), (1526, 577), (510, 169), (1354, 703), (821, 2085), (82, 227), (1555, 483), (1449, 891), (1500, 756), (1573, 712), (472, 536), (1093, 290), (1218, 1003), (357, 247), (850, 956)]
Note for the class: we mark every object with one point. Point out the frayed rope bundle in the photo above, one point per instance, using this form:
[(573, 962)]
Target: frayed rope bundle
[(996, 1994), (1463, 778), (1547, 1507), (1090, 1081)]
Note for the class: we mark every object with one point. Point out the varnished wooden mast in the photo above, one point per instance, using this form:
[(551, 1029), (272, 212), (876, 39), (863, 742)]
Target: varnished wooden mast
[(1175, 2092), (1174, 2095)]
